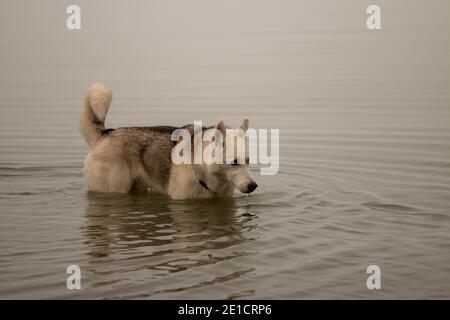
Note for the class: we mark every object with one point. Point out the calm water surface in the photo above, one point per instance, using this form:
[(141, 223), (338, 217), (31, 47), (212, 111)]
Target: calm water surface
[(364, 158)]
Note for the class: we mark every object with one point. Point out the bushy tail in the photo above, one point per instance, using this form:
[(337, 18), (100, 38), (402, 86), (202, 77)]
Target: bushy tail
[(93, 114)]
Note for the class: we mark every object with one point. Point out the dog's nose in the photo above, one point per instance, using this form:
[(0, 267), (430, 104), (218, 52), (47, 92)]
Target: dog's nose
[(251, 186)]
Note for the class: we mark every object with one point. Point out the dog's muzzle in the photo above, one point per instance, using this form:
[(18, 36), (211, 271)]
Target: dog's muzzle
[(251, 187)]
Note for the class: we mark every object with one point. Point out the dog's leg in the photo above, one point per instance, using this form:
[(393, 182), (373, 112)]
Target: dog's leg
[(104, 175)]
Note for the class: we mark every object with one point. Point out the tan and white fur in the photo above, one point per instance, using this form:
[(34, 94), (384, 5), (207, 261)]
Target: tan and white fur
[(123, 160)]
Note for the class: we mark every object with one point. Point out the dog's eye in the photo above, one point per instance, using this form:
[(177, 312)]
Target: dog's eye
[(235, 162)]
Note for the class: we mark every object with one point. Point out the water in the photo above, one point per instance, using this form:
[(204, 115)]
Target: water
[(364, 157)]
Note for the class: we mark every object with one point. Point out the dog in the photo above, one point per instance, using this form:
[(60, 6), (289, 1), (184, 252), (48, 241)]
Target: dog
[(125, 160)]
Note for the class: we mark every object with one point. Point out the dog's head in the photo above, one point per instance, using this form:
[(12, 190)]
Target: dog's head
[(226, 159)]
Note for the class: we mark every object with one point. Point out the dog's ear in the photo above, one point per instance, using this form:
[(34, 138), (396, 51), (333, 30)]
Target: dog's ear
[(244, 125), (220, 127)]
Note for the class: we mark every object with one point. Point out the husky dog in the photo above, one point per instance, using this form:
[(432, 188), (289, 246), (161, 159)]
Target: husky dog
[(139, 158)]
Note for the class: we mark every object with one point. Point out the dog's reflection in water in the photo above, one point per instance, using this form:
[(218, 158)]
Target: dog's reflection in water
[(154, 232)]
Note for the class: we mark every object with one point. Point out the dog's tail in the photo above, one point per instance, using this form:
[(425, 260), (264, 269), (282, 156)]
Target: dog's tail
[(93, 114)]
